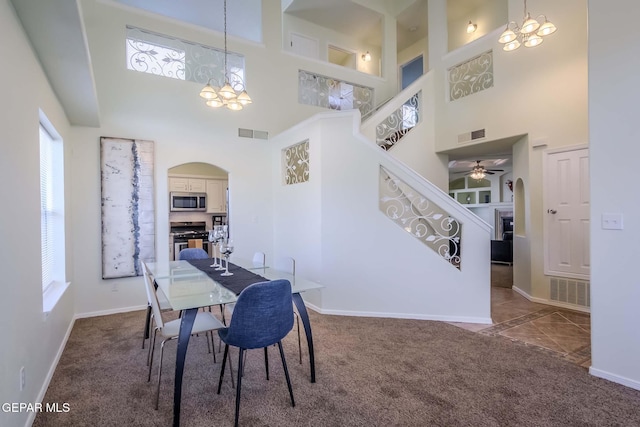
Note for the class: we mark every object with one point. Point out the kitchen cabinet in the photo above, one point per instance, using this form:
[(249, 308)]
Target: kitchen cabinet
[(216, 195), (190, 185)]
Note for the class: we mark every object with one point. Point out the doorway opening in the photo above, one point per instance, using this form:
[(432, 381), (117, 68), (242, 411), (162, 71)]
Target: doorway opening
[(411, 71), (342, 57), (189, 223)]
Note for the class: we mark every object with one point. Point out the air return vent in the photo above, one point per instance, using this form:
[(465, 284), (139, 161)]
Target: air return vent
[(245, 133), (250, 133), (570, 291), (471, 136), (260, 134)]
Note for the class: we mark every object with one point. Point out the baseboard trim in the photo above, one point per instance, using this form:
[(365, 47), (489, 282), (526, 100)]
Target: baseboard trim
[(614, 378), (458, 319), (550, 302), (52, 370), (108, 312)]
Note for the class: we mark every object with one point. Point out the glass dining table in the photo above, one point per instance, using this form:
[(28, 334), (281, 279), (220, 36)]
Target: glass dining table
[(188, 288)]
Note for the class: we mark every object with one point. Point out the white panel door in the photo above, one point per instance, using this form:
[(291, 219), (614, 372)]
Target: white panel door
[(567, 214), (304, 46)]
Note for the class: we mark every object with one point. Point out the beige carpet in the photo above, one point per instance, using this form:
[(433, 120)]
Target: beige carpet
[(371, 372)]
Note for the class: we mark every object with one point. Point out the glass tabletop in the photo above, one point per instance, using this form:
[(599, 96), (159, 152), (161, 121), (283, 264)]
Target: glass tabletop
[(185, 286), (298, 284)]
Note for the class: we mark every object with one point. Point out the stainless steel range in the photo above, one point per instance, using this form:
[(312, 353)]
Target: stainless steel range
[(182, 232)]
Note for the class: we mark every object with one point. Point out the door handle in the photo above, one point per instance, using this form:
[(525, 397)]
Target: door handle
[(552, 211)]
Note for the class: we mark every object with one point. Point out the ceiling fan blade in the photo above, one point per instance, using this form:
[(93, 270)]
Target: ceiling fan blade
[(489, 172), (496, 170)]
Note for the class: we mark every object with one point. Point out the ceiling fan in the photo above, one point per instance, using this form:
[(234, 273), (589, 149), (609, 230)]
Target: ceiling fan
[(478, 172)]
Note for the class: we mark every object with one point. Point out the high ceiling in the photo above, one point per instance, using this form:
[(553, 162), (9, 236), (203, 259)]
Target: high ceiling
[(343, 16), (244, 17), (360, 18)]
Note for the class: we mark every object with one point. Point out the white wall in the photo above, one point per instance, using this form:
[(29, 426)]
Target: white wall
[(488, 16), (367, 264), (29, 339), (169, 112), (540, 92), (614, 58), (327, 37)]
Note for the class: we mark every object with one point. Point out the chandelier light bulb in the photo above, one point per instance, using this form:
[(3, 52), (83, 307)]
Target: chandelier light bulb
[(530, 25), (214, 103), (244, 98), (546, 29), (533, 41), (208, 92), (507, 36), (227, 91), (234, 105), (512, 45)]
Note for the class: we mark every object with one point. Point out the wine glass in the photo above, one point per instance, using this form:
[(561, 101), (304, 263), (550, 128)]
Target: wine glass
[(227, 249), (219, 236), (213, 240)]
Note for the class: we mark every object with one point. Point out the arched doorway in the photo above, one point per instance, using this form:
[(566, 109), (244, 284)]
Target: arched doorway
[(198, 199)]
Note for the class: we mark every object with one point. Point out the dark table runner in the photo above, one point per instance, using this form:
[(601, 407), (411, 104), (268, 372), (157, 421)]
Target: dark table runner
[(241, 277)]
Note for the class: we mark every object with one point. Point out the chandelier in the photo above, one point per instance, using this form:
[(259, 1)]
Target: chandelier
[(530, 33), (477, 173), (227, 95)]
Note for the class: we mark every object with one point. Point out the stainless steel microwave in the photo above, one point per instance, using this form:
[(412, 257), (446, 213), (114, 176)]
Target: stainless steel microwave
[(181, 202)]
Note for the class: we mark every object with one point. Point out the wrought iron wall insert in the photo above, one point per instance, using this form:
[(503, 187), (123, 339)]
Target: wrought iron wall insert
[(327, 92), (397, 124), (471, 76), (167, 56), (295, 162), (420, 217)]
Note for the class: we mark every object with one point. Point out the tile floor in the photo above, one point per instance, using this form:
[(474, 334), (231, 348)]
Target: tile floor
[(563, 332)]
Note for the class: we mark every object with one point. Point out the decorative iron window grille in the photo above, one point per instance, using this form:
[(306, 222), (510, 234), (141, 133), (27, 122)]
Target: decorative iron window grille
[(398, 123), (471, 76), (327, 92), (166, 56), (420, 217), (296, 163)]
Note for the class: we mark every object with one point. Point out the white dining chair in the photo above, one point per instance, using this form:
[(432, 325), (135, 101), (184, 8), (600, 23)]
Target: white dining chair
[(288, 264), (259, 259), (204, 322)]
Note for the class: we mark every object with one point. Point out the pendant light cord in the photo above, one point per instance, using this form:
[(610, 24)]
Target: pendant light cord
[(226, 76)]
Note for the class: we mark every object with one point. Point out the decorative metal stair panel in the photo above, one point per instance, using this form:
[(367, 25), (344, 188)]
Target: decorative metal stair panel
[(397, 124), (420, 217)]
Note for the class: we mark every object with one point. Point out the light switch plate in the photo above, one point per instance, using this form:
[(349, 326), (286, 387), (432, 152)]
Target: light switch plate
[(612, 221)]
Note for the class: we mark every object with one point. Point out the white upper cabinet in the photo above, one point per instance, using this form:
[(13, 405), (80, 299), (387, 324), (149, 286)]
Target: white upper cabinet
[(191, 185), (216, 196)]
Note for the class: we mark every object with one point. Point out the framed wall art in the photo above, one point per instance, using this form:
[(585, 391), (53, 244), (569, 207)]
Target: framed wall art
[(128, 216)]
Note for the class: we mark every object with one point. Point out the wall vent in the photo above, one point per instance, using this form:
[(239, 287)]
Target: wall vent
[(245, 133), (250, 133), (260, 134), (570, 291), (472, 136)]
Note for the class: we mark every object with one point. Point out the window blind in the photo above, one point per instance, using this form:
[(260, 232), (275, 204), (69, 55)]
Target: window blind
[(46, 207)]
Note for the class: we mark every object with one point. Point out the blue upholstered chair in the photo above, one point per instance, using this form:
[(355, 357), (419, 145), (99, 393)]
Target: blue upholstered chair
[(263, 315), (193, 253)]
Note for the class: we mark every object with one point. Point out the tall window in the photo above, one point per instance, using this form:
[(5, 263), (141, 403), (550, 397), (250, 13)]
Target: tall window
[(51, 209)]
